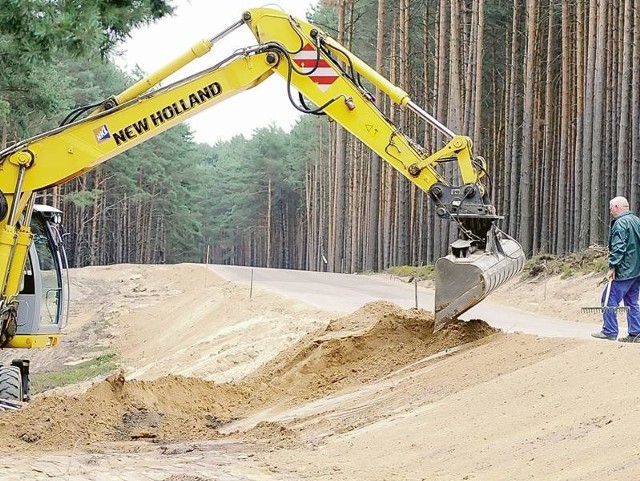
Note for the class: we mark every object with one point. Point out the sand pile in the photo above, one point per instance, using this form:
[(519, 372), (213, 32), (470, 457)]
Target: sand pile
[(119, 410), (363, 346), (368, 344)]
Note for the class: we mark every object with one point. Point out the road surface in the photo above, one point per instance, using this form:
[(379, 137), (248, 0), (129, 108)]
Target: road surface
[(345, 293)]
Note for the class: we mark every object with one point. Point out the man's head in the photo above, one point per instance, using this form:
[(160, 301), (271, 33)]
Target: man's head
[(618, 205)]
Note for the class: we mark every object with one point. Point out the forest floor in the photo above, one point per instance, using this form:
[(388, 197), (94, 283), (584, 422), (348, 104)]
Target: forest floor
[(212, 387)]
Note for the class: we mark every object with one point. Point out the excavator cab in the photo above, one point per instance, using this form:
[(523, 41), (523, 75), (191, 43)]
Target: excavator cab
[(44, 297)]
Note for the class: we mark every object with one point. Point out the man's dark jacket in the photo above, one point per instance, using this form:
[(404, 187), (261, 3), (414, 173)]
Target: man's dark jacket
[(624, 246)]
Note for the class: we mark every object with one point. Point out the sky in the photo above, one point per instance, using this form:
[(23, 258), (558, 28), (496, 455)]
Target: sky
[(154, 46)]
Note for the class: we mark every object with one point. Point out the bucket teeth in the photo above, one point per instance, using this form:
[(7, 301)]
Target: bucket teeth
[(462, 282)]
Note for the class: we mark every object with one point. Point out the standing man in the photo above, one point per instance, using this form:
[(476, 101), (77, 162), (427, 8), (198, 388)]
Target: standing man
[(624, 272)]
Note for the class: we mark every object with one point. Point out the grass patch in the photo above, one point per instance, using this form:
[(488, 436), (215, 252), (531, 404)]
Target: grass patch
[(422, 272), (74, 374)]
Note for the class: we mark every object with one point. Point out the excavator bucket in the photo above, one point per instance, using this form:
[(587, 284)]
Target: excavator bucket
[(463, 281)]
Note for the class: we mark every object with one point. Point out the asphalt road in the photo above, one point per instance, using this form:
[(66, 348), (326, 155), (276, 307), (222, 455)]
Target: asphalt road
[(344, 293)]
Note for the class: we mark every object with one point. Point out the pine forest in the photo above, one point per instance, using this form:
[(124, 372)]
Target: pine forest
[(548, 90)]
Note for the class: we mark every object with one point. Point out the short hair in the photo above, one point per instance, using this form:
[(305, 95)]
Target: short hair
[(619, 202)]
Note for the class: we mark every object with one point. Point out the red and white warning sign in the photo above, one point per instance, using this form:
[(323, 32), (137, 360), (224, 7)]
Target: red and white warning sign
[(321, 73)]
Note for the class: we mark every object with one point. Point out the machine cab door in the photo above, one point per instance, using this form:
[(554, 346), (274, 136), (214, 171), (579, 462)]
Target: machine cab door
[(43, 300)]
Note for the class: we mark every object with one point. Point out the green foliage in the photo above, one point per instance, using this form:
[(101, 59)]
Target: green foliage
[(82, 198), (247, 177), (303, 141), (84, 371), (33, 31), (5, 108), (37, 40), (160, 180), (168, 176)]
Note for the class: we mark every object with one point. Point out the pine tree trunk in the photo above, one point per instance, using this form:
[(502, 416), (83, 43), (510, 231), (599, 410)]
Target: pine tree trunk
[(512, 143), (268, 219), (479, 72), (597, 216), (338, 214), (566, 95), (587, 141), (525, 198), (546, 208), (374, 224), (624, 133), (402, 254), (441, 228), (634, 197)]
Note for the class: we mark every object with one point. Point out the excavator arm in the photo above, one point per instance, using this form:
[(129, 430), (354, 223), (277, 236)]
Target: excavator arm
[(333, 80), (329, 80)]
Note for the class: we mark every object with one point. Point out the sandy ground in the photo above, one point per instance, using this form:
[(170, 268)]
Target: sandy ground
[(216, 386)]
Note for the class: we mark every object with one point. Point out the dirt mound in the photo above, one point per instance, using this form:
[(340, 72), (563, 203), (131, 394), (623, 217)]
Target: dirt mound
[(366, 345), (117, 410)]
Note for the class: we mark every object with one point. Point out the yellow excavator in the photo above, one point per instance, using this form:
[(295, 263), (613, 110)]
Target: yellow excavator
[(327, 78)]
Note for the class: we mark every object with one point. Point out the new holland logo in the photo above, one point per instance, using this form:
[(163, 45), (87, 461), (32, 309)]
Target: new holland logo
[(318, 69), (102, 133)]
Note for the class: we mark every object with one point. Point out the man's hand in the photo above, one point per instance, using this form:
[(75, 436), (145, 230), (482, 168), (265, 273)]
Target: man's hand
[(611, 275)]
